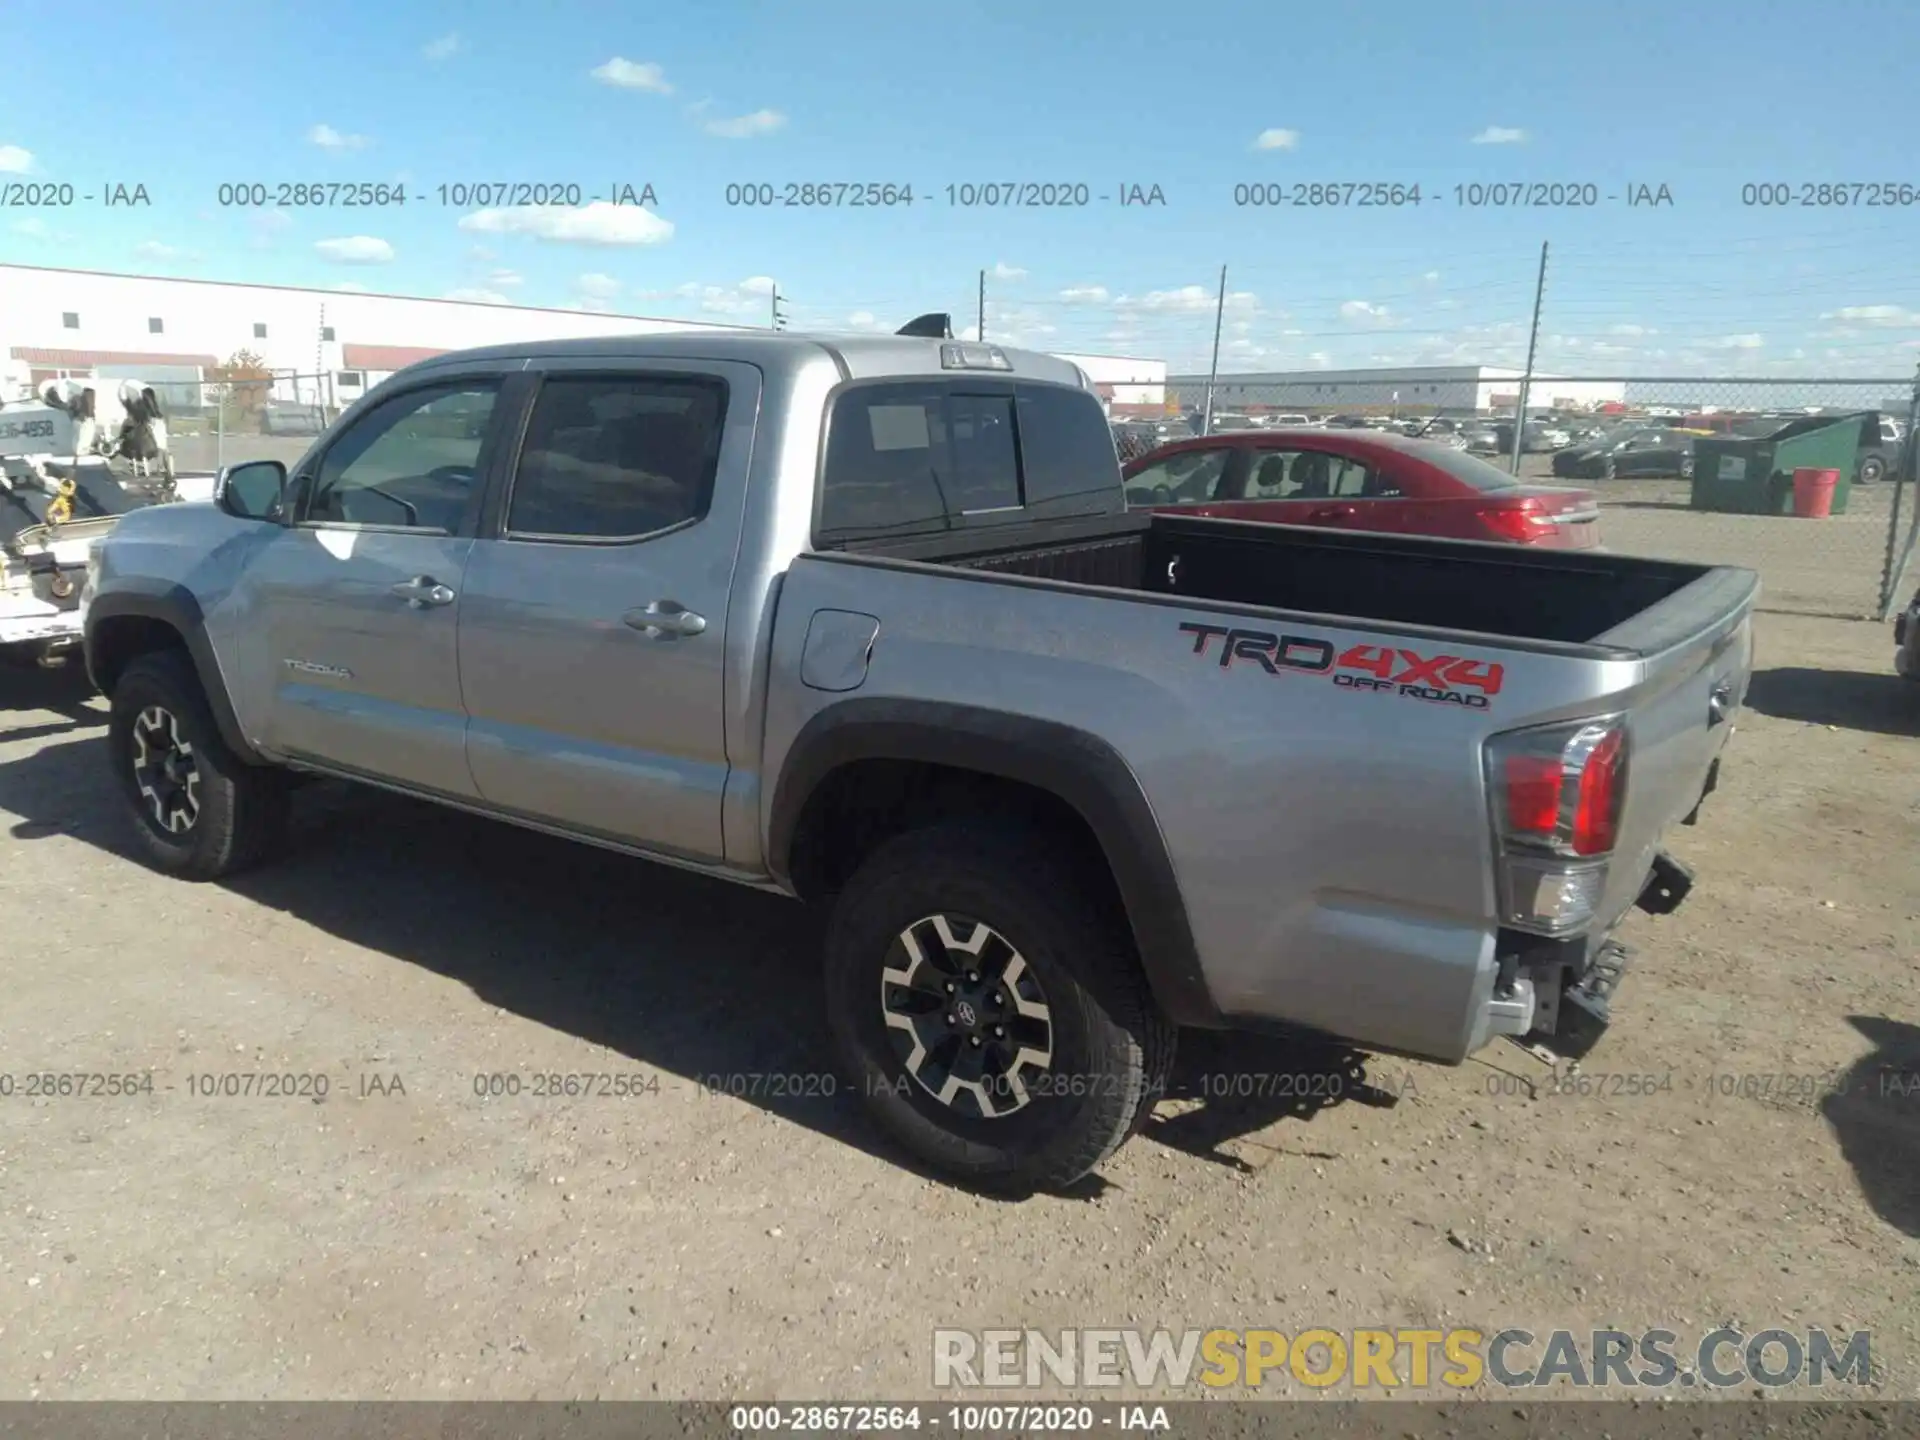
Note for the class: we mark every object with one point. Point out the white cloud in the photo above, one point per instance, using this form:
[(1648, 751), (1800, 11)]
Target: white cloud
[(1186, 298), (478, 297), (1499, 135), (443, 48), (1749, 341), (1631, 331), (14, 160), (33, 225), (1897, 316), (745, 127), (968, 332), (1320, 359), (598, 223), (866, 320), (328, 138), (1085, 295), (1276, 140), (154, 250), (1432, 277), (749, 297), (633, 75), (597, 286), (482, 254), (1365, 312), (1004, 271), (505, 279), (356, 250)]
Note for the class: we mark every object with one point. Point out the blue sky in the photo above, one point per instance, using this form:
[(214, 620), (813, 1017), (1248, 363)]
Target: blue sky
[(1196, 99)]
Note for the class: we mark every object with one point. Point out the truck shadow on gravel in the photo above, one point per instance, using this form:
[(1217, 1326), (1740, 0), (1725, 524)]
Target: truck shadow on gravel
[(1882, 704), (711, 983), (1874, 1111), (29, 694)]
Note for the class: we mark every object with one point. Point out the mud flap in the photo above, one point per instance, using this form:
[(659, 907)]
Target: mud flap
[(1667, 886)]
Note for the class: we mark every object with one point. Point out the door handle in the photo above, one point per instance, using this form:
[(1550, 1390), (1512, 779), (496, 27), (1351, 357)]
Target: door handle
[(666, 620), (422, 591), (1331, 512)]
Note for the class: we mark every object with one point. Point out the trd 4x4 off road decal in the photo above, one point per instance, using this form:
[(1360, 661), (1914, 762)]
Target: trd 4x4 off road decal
[(1387, 669)]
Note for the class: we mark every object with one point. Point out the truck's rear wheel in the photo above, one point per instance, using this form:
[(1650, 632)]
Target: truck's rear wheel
[(199, 811), (988, 1007)]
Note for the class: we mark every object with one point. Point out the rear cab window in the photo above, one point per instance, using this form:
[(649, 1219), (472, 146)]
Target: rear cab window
[(919, 457)]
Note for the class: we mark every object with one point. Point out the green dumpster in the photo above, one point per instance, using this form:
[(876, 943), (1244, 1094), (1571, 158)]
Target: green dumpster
[(1753, 474)]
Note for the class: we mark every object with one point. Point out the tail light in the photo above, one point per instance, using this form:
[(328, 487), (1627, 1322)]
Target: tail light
[(1557, 793), (1522, 526)]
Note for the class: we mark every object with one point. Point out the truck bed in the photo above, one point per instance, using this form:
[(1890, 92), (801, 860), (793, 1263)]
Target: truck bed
[(1508, 591)]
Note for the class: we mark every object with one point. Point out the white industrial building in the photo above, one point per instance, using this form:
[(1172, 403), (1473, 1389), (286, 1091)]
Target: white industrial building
[(326, 346), (1484, 388)]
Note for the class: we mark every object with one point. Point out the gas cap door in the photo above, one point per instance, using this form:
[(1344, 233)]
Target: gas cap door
[(839, 647)]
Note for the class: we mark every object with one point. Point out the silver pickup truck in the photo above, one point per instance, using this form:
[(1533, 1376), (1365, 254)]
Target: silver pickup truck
[(867, 622)]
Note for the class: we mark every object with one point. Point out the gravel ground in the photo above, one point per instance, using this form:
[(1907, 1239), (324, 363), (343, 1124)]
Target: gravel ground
[(408, 1238)]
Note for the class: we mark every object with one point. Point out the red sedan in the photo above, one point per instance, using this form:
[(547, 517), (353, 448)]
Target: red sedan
[(1359, 480)]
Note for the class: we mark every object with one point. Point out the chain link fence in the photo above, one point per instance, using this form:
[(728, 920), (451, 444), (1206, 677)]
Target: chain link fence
[(1632, 440), (252, 415)]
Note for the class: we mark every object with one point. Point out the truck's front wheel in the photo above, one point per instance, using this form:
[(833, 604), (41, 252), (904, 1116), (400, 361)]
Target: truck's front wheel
[(987, 1006), (199, 810)]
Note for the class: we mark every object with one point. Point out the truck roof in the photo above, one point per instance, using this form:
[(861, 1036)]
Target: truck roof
[(858, 357)]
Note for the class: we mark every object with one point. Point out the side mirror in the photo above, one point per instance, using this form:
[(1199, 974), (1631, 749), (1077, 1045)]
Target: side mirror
[(253, 491)]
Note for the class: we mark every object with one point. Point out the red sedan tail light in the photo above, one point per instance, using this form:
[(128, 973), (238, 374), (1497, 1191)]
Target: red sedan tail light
[(1523, 526)]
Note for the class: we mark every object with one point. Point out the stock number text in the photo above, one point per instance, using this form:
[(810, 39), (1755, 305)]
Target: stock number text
[(820, 195), (320, 195), (1316, 194), (1862, 194), (555, 1085), (72, 1085)]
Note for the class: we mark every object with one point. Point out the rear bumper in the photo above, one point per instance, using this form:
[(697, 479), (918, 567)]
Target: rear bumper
[(1571, 984)]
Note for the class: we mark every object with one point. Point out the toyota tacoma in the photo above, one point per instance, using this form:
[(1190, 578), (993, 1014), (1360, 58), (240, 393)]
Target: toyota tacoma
[(867, 622)]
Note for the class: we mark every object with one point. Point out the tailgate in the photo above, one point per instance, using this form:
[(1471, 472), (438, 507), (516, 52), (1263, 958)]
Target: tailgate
[(1698, 655)]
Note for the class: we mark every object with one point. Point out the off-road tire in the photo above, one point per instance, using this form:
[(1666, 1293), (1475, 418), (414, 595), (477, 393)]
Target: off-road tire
[(242, 808), (1112, 1046)]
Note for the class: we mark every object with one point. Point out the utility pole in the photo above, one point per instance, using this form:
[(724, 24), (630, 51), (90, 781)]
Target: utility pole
[(982, 330), (1213, 371), (1526, 379), (779, 315)]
